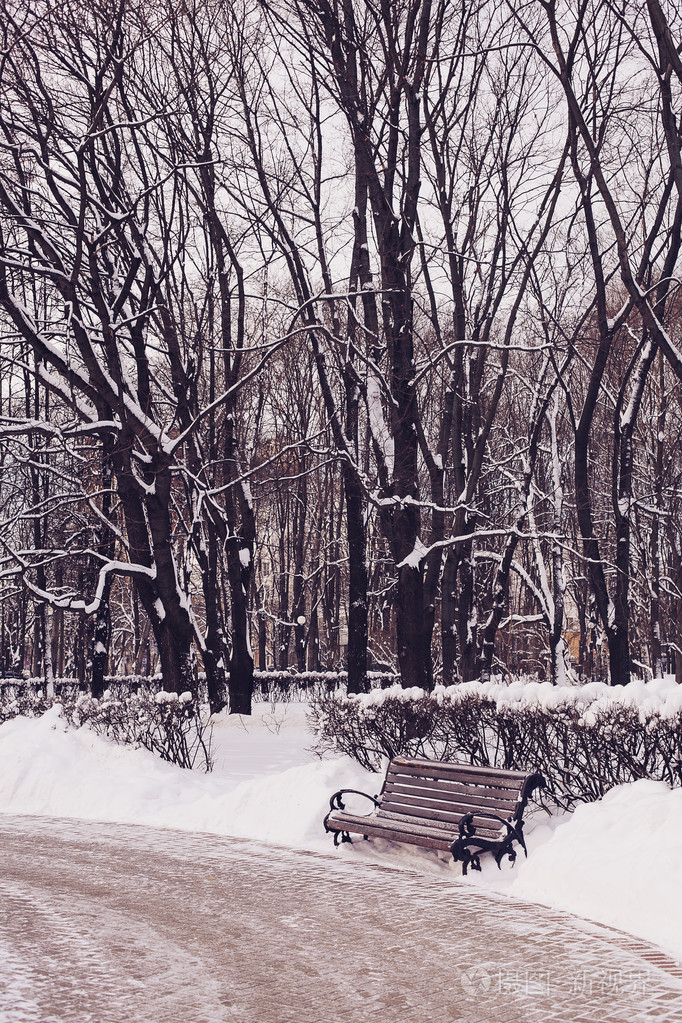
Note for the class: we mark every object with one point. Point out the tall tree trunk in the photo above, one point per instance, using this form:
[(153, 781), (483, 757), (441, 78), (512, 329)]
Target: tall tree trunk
[(262, 641), (47, 634), (466, 614), (357, 586), (449, 618), (239, 549), (241, 661), (165, 603), (283, 627), (81, 643), (618, 630), (101, 640), (216, 647), (142, 658), (298, 609), (106, 547), (175, 654), (655, 616), (314, 637)]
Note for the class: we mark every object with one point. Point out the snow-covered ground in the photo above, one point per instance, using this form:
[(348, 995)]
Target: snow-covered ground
[(618, 861)]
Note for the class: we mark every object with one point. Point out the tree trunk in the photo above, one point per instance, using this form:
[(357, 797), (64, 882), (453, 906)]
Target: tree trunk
[(262, 641), (314, 639), (215, 647), (448, 619), (410, 627), (102, 633), (141, 643), (655, 616), (47, 634), (107, 548), (357, 588), (175, 654), (239, 549), (466, 618)]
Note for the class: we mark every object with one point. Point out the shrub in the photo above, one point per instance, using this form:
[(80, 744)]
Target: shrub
[(21, 702), (584, 740), (171, 726)]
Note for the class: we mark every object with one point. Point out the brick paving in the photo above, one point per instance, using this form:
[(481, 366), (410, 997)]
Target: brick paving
[(110, 923)]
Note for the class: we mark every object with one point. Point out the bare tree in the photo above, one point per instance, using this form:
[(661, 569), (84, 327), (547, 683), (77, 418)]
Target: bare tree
[(133, 311)]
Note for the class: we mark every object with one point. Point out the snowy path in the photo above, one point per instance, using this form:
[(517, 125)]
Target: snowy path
[(111, 923)]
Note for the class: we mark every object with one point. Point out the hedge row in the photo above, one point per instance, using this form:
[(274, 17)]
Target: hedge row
[(583, 740), (307, 685), (285, 685)]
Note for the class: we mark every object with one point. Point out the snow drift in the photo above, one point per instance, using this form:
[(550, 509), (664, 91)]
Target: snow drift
[(617, 861)]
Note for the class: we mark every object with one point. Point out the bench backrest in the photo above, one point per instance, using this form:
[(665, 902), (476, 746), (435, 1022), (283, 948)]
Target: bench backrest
[(446, 792)]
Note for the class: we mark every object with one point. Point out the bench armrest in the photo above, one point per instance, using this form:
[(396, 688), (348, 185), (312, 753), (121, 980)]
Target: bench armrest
[(468, 830), (336, 803), (467, 837)]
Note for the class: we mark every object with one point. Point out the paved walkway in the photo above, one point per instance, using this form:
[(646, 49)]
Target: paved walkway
[(108, 923)]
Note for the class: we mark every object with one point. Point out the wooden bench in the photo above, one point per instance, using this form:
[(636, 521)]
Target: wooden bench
[(454, 807)]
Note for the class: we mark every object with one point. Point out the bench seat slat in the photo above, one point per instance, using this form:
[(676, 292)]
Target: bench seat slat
[(447, 812), (438, 799), (463, 772), (451, 815), (483, 825), (425, 841), (442, 838), (451, 785), (508, 791), (378, 827)]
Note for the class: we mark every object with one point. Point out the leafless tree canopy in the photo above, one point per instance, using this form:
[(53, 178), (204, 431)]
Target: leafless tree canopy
[(340, 331)]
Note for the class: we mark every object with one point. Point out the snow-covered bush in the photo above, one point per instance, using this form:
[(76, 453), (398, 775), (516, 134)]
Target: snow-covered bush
[(22, 702), (584, 740), (171, 726)]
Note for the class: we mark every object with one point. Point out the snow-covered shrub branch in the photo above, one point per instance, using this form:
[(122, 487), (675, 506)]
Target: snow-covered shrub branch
[(584, 740), (172, 727)]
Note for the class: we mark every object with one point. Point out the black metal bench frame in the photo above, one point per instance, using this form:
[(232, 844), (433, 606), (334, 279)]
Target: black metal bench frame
[(454, 807)]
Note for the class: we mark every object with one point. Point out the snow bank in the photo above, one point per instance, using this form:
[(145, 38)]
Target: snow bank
[(48, 768), (617, 861)]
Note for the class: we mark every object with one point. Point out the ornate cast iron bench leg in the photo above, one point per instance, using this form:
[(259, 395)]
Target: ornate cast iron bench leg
[(342, 836), (467, 834)]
